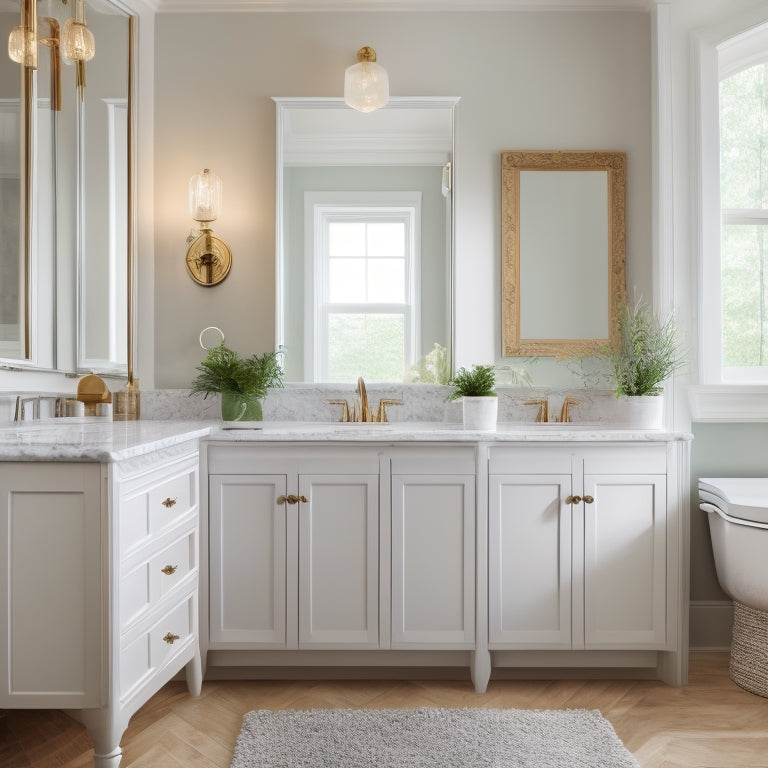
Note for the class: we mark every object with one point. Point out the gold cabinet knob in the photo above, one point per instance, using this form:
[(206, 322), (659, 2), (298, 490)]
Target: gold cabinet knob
[(291, 499), (282, 499), (169, 569), (589, 499), (573, 500), (303, 499), (170, 638), (168, 503)]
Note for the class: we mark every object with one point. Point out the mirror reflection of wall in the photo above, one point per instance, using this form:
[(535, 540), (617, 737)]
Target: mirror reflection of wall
[(364, 244), (79, 203)]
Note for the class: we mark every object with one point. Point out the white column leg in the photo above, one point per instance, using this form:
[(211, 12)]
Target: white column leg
[(480, 669), (194, 673)]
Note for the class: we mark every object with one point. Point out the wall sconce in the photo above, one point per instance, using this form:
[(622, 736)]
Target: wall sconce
[(208, 258), (366, 84), (75, 41)]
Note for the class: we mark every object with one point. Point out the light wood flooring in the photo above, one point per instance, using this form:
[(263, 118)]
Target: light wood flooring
[(711, 723)]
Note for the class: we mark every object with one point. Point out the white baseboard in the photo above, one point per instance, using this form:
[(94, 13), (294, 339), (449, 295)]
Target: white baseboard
[(711, 622)]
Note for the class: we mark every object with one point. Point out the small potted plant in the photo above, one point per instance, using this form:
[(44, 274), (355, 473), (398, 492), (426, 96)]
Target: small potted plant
[(476, 388), (242, 383), (647, 354)]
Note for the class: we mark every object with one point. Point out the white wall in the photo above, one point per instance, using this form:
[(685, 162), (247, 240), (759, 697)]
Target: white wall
[(554, 80)]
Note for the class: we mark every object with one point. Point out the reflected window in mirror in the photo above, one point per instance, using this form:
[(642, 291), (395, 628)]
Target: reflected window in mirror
[(385, 171), (364, 297)]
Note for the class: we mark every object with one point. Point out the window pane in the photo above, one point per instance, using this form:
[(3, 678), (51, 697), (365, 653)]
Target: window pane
[(346, 238), (744, 139), (744, 258), (386, 280), (371, 346), (346, 280), (386, 239)]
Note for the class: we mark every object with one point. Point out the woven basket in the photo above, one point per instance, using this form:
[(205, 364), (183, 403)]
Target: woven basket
[(749, 649)]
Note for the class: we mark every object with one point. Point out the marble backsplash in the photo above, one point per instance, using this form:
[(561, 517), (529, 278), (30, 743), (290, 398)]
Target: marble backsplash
[(421, 402)]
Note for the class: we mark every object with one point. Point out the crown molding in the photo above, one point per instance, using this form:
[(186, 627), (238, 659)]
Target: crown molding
[(321, 6)]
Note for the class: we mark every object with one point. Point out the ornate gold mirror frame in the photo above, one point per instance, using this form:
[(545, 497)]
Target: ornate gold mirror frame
[(565, 301)]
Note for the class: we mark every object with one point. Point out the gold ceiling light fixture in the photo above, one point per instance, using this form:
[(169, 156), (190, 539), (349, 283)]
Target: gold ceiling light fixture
[(366, 84), (208, 258)]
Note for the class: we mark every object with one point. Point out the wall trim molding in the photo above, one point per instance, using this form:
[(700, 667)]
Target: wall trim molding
[(711, 623)]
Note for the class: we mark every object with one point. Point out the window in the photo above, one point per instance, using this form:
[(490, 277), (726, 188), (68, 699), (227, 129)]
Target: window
[(365, 301), (744, 225)]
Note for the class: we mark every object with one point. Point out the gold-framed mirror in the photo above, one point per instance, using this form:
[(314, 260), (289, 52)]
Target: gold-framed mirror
[(563, 251)]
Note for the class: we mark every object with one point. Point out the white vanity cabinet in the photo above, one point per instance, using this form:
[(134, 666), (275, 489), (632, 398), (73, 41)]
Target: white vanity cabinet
[(99, 586), (578, 547), (51, 529), (433, 548), (294, 547)]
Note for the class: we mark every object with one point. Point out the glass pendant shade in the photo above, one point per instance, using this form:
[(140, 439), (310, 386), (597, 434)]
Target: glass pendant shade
[(366, 84), (22, 47), (205, 196), (77, 42)]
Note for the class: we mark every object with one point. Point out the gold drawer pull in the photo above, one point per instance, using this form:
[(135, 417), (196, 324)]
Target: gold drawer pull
[(169, 569), (573, 500), (168, 503), (291, 499), (589, 499), (171, 638)]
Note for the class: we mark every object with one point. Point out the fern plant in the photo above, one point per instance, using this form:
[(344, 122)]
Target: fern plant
[(648, 351), (479, 382), (224, 371)]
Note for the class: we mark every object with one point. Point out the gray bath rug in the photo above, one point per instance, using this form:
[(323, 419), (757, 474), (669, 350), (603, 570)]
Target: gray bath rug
[(429, 738)]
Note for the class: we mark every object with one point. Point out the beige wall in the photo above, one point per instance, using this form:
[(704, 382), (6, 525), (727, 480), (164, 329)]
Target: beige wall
[(526, 81)]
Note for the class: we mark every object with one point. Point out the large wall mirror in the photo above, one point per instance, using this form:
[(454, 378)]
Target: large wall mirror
[(364, 236), (65, 192), (563, 251)]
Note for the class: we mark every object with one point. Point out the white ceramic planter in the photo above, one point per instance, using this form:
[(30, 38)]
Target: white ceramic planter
[(480, 412), (643, 412)]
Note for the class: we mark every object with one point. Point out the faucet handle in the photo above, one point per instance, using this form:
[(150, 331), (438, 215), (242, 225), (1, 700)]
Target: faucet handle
[(344, 408), (381, 414)]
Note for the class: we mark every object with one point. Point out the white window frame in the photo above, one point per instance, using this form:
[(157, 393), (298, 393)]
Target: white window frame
[(320, 208), (717, 54)]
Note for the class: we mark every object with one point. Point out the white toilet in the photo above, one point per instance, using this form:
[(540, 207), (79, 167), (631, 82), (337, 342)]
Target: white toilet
[(737, 509)]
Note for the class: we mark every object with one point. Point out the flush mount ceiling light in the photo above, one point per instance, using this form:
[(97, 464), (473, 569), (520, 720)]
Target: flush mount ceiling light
[(366, 84), (208, 258)]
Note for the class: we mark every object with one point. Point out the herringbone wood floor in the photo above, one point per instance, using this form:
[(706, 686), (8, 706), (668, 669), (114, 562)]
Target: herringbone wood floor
[(711, 723)]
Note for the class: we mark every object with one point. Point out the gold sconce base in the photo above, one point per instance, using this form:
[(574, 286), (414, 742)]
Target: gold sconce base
[(208, 259)]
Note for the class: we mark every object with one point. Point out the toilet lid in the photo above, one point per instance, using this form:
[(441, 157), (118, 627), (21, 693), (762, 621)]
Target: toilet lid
[(743, 497)]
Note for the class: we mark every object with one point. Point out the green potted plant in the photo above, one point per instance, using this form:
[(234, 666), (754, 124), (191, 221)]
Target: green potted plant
[(477, 390), (647, 354), (242, 382)]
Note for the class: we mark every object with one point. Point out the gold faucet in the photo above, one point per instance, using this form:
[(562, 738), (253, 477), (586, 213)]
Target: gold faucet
[(565, 414), (543, 412), (361, 409)]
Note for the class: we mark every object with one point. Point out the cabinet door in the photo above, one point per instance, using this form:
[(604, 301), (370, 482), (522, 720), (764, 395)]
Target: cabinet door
[(529, 560), (625, 561), (339, 561), (50, 585), (247, 560), (433, 561)]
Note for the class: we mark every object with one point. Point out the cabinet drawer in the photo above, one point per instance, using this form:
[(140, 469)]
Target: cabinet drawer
[(144, 585), (146, 654), (148, 511)]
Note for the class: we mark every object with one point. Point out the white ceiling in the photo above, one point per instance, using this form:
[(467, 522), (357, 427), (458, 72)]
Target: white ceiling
[(179, 6)]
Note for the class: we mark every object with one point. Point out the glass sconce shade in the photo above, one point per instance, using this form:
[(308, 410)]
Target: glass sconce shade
[(77, 42), (205, 196), (366, 84), (22, 47)]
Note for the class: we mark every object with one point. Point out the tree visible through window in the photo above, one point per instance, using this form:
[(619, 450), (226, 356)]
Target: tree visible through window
[(744, 238)]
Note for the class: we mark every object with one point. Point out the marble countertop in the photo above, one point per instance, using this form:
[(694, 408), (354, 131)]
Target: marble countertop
[(432, 431), (93, 439), (100, 439)]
